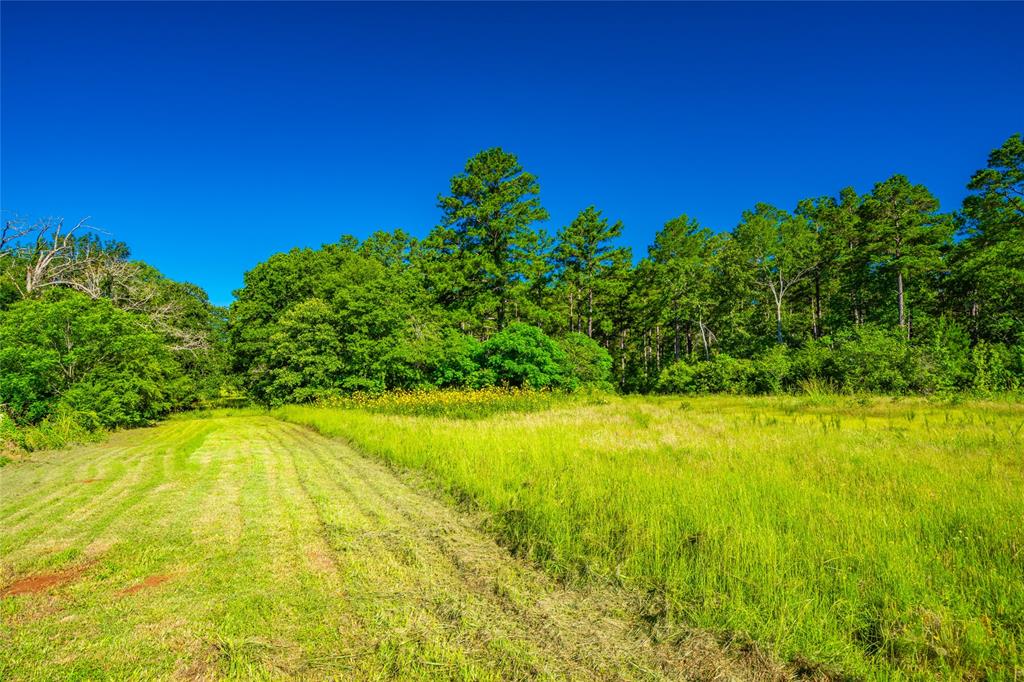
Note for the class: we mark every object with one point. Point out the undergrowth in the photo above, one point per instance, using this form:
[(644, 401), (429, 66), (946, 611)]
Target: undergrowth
[(462, 403)]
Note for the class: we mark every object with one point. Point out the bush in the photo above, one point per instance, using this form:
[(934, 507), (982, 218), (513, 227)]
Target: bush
[(874, 360), (722, 374), (522, 355), (813, 362), (996, 367), (121, 399), (455, 360), (586, 361), (944, 365), (677, 378), (64, 427), (771, 371)]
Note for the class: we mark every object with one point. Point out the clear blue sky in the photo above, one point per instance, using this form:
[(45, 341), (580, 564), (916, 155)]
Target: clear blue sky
[(209, 136)]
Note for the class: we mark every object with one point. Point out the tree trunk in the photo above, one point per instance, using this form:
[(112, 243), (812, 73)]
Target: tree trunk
[(590, 314), (571, 311), (778, 323), (900, 300), (657, 347), (675, 342), (647, 352), (817, 306), (814, 321)]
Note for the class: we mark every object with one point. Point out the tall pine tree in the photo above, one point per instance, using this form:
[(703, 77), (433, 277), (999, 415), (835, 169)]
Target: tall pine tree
[(585, 261), (908, 235), (488, 225)]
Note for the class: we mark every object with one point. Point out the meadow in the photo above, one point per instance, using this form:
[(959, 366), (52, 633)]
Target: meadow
[(514, 535), (870, 538)]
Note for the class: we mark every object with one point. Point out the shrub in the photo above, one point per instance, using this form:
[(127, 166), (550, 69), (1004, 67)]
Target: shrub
[(813, 362), (63, 427), (455, 360), (944, 365), (522, 355), (677, 378), (874, 359), (771, 371), (993, 367), (723, 374), (119, 399), (586, 360)]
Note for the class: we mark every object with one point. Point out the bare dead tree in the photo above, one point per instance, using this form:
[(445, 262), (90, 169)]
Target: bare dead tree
[(129, 288), (13, 230), (49, 256), (56, 256)]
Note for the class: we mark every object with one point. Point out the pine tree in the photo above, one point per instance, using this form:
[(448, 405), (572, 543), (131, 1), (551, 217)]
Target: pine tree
[(990, 260), (488, 222), (907, 234), (585, 262)]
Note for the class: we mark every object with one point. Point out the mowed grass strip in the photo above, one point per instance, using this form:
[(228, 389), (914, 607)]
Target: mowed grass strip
[(878, 538), (250, 548)]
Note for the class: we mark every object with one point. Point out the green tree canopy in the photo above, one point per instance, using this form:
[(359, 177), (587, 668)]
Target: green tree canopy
[(523, 355), (990, 258), (68, 349), (589, 268), (908, 235), (781, 250), (488, 224)]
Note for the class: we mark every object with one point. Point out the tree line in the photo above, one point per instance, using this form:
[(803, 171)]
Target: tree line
[(875, 292), (879, 292)]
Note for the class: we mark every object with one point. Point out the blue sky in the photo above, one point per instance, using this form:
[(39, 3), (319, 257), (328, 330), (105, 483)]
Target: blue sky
[(209, 136)]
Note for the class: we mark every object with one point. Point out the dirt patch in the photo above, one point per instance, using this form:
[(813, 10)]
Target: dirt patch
[(151, 581), (42, 581), (90, 480), (320, 559)]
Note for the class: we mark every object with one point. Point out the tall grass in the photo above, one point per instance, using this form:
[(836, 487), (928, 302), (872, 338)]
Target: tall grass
[(61, 429), (873, 538), (460, 403)]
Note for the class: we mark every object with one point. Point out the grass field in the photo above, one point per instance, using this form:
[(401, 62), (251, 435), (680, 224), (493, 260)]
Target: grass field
[(249, 548), (876, 539), (712, 538)]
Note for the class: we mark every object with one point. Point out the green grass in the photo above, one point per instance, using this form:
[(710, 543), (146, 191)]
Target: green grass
[(872, 538), (461, 403), (59, 430), (237, 546)]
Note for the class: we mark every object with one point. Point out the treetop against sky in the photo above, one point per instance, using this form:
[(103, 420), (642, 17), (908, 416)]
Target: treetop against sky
[(209, 136)]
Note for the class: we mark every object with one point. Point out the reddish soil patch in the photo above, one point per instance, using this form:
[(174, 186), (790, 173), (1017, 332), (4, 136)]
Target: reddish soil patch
[(37, 583), (91, 480), (151, 581)]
